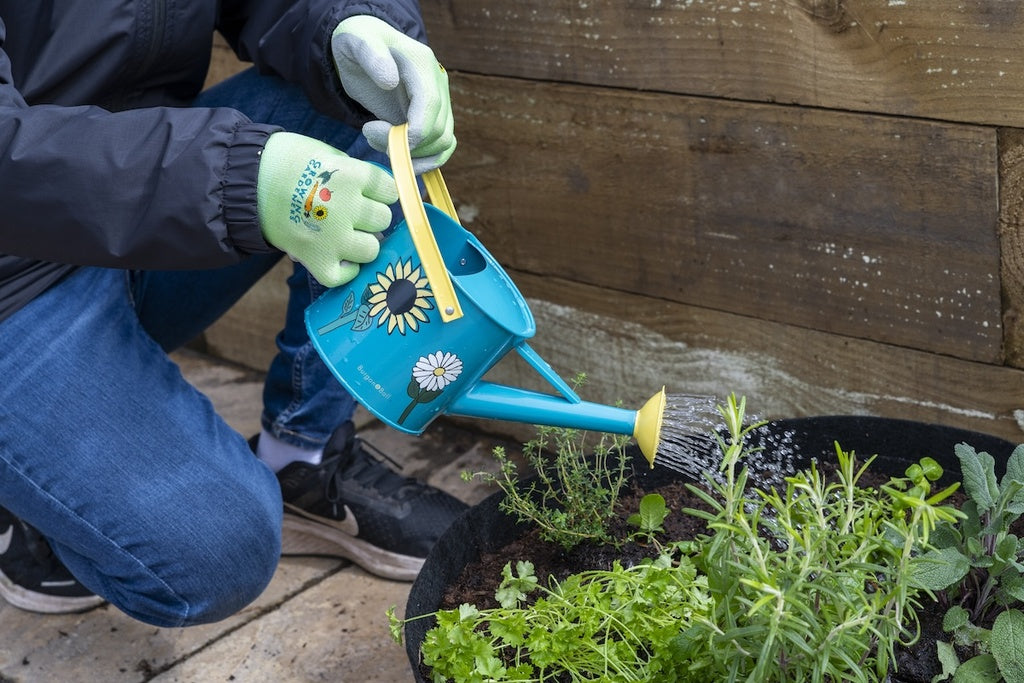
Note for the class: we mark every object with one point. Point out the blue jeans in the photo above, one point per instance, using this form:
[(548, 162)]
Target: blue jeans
[(145, 493)]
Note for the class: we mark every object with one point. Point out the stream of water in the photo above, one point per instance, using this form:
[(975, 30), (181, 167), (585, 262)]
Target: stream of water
[(690, 430)]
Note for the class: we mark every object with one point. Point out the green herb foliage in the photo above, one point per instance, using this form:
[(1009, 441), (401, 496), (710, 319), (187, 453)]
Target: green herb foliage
[(578, 483), (614, 625), (810, 584), (977, 565), (650, 519)]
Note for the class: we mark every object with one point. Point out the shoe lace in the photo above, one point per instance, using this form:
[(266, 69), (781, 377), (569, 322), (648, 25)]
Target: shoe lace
[(378, 454), (366, 468)]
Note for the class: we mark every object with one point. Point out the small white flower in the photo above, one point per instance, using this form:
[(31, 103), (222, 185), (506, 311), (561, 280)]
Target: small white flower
[(437, 370)]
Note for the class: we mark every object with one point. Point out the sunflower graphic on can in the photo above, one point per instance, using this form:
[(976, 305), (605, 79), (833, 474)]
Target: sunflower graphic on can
[(400, 297)]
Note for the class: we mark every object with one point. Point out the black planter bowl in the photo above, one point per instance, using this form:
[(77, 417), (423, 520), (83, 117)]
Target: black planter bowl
[(898, 443)]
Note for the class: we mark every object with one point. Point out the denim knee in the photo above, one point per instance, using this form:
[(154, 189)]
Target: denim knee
[(201, 566), (226, 578)]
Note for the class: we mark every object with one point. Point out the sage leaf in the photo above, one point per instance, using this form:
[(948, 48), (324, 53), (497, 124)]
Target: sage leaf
[(939, 569), (1008, 645), (1006, 548), (980, 669), (945, 536), (1013, 495), (956, 617), (1013, 585), (979, 474), (1015, 466), (971, 526), (948, 659)]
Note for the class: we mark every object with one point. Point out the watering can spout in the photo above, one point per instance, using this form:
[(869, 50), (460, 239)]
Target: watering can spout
[(648, 425), (500, 402)]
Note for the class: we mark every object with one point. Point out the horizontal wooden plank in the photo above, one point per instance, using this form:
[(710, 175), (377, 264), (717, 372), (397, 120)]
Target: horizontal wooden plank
[(872, 227), (630, 346), (946, 59)]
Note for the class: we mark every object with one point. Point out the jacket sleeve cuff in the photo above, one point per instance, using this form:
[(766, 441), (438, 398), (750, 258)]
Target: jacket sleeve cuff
[(242, 166)]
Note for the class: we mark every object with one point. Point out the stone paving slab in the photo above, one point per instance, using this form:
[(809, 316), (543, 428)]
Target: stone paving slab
[(106, 645), (336, 630), (319, 620)]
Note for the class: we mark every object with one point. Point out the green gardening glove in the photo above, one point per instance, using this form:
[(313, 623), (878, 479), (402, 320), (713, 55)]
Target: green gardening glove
[(399, 80), (322, 207)]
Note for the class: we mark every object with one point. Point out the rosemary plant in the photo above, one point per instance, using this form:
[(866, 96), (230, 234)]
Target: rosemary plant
[(810, 584)]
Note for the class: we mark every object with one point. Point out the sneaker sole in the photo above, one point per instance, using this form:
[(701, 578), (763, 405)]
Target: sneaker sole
[(42, 603), (301, 536)]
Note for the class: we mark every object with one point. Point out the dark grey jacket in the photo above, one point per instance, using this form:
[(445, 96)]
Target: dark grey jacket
[(100, 164)]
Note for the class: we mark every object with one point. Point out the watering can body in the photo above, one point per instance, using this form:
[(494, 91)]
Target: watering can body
[(412, 336), (383, 337)]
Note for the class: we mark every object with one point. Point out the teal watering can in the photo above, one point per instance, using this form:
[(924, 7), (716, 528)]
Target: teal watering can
[(413, 334)]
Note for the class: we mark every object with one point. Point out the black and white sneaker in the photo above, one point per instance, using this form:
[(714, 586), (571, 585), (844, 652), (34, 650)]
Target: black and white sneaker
[(31, 576), (354, 506)]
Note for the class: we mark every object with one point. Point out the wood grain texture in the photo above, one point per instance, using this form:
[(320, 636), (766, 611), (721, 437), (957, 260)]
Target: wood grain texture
[(681, 224), (871, 227), (1011, 190), (955, 60), (630, 346)]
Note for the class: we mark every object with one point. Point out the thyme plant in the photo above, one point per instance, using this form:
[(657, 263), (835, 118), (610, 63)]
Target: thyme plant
[(578, 482)]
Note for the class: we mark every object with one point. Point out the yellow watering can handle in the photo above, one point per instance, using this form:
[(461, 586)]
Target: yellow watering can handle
[(416, 219), (438, 193)]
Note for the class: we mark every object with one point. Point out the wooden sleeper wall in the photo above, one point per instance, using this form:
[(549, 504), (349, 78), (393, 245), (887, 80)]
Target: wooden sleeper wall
[(796, 201)]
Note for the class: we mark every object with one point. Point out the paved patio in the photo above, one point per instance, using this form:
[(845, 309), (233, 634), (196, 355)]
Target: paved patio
[(319, 620)]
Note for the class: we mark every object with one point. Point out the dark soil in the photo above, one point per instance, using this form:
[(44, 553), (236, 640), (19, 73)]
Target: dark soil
[(478, 581)]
